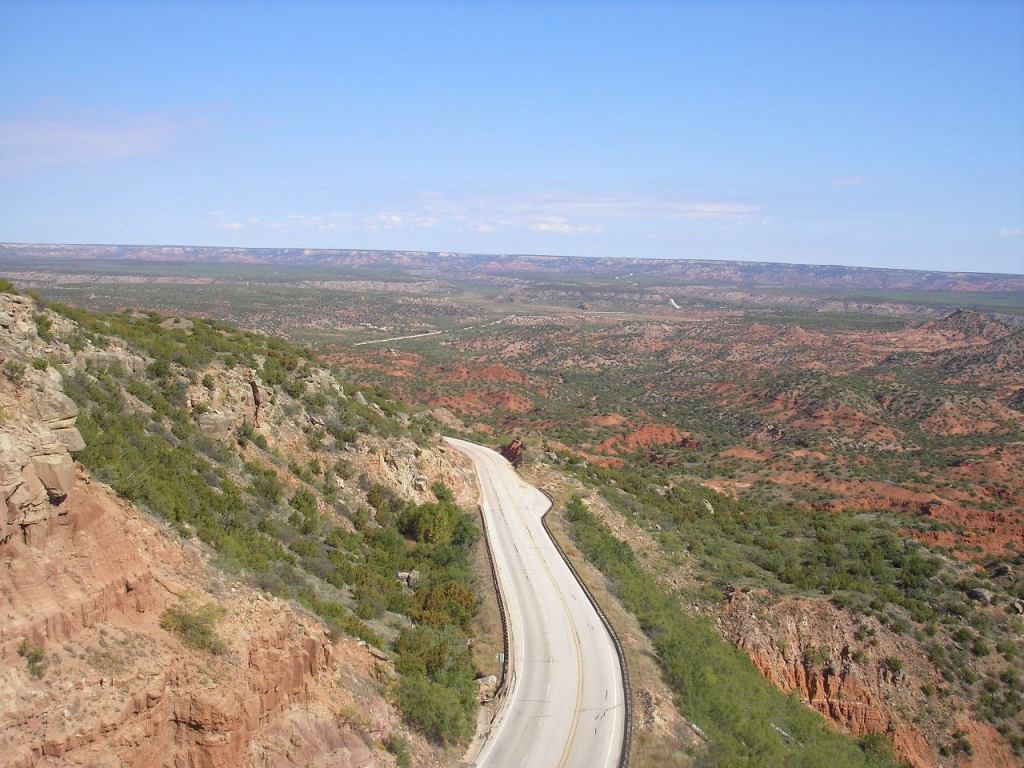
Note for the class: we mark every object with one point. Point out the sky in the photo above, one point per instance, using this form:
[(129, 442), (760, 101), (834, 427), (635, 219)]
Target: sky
[(863, 133)]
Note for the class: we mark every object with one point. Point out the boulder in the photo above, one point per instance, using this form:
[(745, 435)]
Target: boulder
[(111, 358), (28, 503), (513, 452), (12, 459), (486, 687), (360, 398), (980, 594), (71, 438), (214, 424), (410, 578), (55, 409), (56, 473)]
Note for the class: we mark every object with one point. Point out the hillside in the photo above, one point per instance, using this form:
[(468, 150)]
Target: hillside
[(202, 540)]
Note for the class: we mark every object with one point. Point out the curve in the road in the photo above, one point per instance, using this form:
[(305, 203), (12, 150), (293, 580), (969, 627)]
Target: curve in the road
[(564, 698)]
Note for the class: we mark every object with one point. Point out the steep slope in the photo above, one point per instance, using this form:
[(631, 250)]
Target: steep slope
[(214, 620)]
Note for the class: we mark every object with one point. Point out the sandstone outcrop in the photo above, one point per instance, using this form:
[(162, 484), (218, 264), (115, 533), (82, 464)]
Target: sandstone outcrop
[(37, 434), (860, 675)]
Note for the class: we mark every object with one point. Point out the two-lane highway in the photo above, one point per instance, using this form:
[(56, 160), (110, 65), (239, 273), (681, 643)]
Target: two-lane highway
[(563, 707)]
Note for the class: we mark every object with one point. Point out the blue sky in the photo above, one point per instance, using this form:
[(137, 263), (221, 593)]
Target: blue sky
[(866, 133)]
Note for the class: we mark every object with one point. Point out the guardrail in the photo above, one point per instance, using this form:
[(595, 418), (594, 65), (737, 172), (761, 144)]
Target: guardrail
[(627, 741), (501, 607)]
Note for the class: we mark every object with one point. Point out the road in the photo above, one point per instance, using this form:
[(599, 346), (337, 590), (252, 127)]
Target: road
[(564, 702), (398, 338), (432, 333)]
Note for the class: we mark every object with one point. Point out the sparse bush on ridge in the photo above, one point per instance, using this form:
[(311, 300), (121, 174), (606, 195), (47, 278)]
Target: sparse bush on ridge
[(195, 626), (14, 371), (34, 655)]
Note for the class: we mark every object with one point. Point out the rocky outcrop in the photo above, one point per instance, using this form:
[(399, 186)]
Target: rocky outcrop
[(87, 578), (857, 673), (514, 452), (37, 436), (120, 690)]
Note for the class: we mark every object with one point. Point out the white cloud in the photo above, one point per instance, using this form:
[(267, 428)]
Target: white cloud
[(557, 215), (560, 225), (651, 208), (574, 215), (235, 225), (597, 206), (1011, 232), (848, 181), (317, 223), (399, 220)]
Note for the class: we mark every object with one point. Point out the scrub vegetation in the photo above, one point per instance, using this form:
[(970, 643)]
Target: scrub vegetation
[(747, 721), (280, 524)]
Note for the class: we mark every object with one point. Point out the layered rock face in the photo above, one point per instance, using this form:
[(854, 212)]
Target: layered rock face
[(89, 675), (36, 469), (858, 674)]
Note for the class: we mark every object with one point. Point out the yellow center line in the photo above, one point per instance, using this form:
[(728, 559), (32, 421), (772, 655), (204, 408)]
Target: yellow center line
[(578, 709), (579, 655)]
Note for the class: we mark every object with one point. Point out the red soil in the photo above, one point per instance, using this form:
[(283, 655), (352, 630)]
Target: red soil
[(648, 436)]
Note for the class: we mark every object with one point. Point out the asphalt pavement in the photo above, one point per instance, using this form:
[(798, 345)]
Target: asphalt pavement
[(564, 703)]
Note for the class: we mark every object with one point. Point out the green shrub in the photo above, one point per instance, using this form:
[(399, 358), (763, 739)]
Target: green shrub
[(14, 371), (44, 326), (35, 657), (159, 368), (815, 657), (315, 439), (399, 747), (438, 710), (892, 665), (196, 627), (265, 484)]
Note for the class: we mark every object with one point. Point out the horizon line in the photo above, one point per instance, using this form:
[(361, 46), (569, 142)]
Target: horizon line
[(411, 251)]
